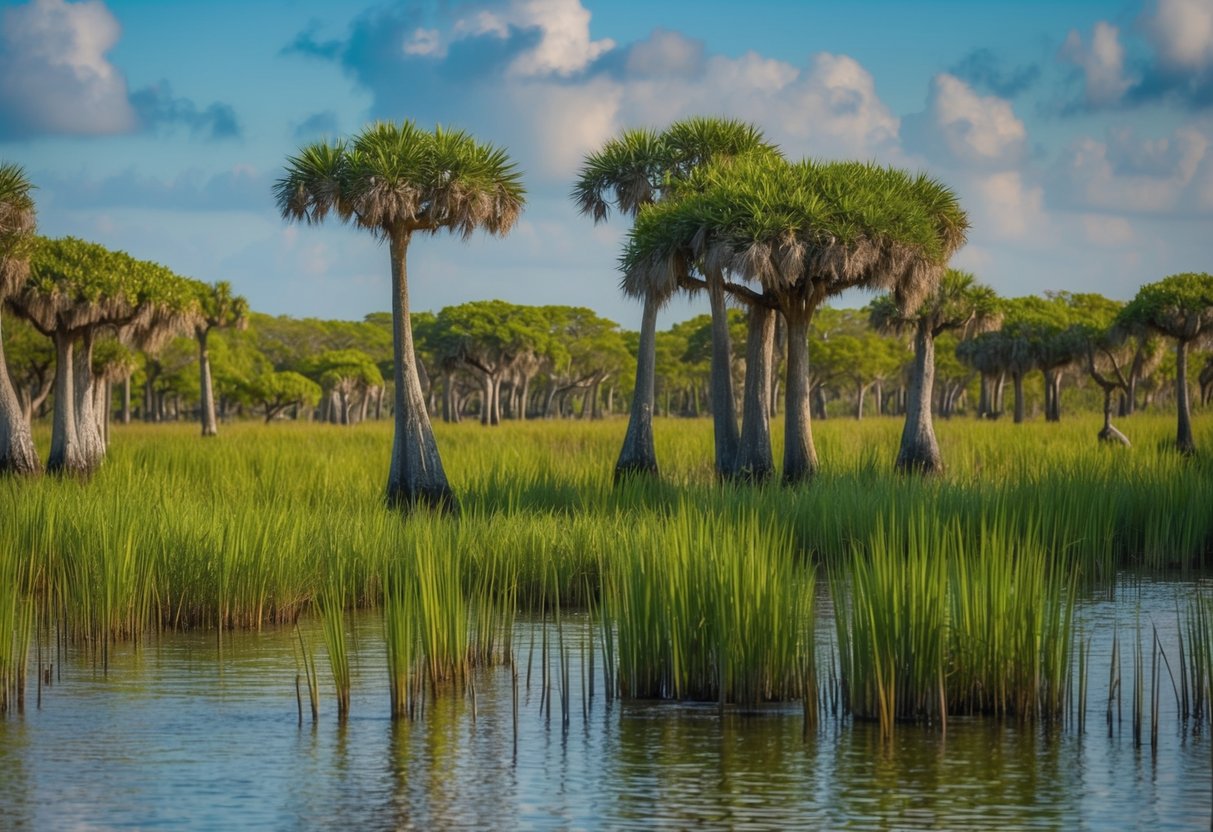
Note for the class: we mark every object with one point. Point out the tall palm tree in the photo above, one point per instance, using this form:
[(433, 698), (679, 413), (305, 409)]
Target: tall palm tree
[(1179, 307), (805, 232), (17, 223), (958, 303), (628, 172), (219, 308), (636, 169), (396, 180)]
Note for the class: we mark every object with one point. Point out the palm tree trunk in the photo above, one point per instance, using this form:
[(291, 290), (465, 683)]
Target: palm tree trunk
[(416, 475), (65, 456), (639, 455), (1183, 437), (126, 400), (919, 451), (92, 447), (17, 452), (724, 418), (1109, 433), (754, 460), (1017, 382), (860, 389), (206, 409), (799, 455)]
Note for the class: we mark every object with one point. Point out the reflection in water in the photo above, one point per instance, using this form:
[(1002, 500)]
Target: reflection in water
[(177, 735)]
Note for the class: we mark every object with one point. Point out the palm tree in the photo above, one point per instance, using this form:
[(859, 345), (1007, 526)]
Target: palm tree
[(628, 172), (396, 180), (219, 309), (805, 232), (1179, 307), (17, 222), (958, 303), (636, 169)]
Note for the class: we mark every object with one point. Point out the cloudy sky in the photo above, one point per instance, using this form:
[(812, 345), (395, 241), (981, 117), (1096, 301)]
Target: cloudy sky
[(1078, 134)]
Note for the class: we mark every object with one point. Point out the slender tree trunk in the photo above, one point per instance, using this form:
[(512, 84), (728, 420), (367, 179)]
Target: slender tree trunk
[(1183, 436), (919, 451), (17, 452), (1000, 389), (523, 396), (724, 417), (1017, 381), (92, 446), (486, 400), (860, 389), (66, 456), (495, 408), (754, 460), (206, 408), (639, 455), (343, 396), (379, 403), (1109, 433), (126, 400), (363, 404), (799, 455), (416, 475)]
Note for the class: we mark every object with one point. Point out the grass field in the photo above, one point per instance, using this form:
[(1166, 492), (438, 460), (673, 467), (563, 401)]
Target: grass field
[(701, 590)]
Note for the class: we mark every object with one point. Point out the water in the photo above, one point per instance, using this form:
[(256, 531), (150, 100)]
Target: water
[(179, 734)]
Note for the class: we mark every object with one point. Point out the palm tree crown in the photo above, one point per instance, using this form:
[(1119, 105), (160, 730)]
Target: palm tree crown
[(398, 178), (17, 222)]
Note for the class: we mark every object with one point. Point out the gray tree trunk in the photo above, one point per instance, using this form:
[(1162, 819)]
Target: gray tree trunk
[(799, 455), (1017, 383), (17, 452), (206, 409), (724, 417), (860, 389), (919, 451), (639, 455), (754, 460), (126, 400), (92, 445), (486, 400), (1109, 433), (66, 456), (416, 475), (1183, 435)]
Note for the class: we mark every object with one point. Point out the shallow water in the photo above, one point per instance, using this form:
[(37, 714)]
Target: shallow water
[(182, 734)]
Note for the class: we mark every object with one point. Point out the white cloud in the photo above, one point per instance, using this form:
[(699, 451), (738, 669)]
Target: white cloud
[(54, 73), (975, 130), (564, 46), (1103, 230), (1102, 63), (1008, 207), (829, 108), (1128, 174), (1182, 33)]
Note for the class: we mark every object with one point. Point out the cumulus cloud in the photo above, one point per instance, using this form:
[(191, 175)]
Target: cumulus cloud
[(1129, 174), (56, 79), (1181, 32), (1009, 207), (531, 73), (960, 126), (1102, 63), (55, 76)]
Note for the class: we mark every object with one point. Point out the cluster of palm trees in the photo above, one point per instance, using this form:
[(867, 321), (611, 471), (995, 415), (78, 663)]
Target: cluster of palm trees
[(93, 304), (715, 208)]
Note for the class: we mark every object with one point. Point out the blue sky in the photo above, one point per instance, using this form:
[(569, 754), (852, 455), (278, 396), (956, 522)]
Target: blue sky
[(1079, 135)]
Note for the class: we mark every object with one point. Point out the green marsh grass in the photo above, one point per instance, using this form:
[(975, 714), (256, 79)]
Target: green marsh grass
[(249, 529)]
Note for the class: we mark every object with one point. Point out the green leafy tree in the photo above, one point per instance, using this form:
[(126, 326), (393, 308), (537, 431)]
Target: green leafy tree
[(958, 304), (1179, 307), (17, 224), (396, 180), (806, 232), (218, 308), (278, 391)]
